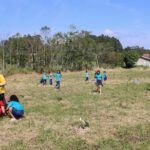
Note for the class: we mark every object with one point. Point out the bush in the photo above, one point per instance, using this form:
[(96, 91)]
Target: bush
[(130, 58)]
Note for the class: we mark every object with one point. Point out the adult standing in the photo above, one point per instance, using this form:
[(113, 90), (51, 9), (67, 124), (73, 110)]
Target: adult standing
[(2, 89)]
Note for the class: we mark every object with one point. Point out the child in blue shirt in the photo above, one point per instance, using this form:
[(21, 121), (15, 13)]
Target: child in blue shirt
[(15, 109), (43, 79), (57, 78), (50, 78), (105, 76), (86, 75), (99, 84)]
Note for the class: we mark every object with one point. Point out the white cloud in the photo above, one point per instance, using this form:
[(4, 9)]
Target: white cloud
[(109, 33)]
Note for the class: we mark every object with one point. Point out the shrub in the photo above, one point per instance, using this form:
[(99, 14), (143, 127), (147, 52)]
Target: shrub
[(130, 58)]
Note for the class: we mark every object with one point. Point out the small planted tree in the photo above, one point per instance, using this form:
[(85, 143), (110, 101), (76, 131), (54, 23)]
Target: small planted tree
[(130, 58)]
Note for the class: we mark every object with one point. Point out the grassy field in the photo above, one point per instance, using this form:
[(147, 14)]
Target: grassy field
[(119, 118)]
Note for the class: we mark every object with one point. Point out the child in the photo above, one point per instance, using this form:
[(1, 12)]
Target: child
[(50, 78), (58, 77), (98, 77), (43, 79), (2, 108), (15, 109), (86, 75), (105, 76)]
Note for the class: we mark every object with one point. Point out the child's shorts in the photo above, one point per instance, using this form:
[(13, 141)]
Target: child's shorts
[(105, 78), (50, 81), (58, 84), (17, 113), (43, 81), (99, 82), (87, 78)]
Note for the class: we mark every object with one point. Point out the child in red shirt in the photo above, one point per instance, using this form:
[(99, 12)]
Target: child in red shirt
[(2, 108)]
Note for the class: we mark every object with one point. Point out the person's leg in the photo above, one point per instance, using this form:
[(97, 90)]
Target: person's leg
[(97, 88), (96, 83), (101, 85), (58, 84), (100, 89), (41, 81), (15, 114), (105, 80), (51, 82), (1, 112), (10, 113)]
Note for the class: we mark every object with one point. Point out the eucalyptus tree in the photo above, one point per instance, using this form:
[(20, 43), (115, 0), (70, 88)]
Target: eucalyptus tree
[(45, 32)]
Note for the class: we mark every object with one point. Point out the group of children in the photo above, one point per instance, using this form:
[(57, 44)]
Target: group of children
[(12, 108), (99, 77), (15, 110), (57, 76)]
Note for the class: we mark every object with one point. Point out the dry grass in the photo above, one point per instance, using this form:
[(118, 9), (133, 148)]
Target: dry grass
[(121, 108)]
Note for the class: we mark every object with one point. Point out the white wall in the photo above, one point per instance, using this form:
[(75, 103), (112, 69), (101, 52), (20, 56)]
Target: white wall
[(143, 62)]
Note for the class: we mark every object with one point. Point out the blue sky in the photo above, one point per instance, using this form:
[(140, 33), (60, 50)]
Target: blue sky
[(127, 20)]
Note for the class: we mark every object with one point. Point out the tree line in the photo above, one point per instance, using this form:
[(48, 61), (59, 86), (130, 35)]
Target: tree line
[(74, 50)]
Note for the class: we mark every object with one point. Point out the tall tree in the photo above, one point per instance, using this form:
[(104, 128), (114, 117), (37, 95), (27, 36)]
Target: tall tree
[(45, 31)]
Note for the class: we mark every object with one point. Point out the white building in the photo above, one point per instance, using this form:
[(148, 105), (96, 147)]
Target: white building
[(143, 61)]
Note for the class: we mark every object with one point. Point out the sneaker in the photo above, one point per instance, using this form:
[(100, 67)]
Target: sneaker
[(12, 119)]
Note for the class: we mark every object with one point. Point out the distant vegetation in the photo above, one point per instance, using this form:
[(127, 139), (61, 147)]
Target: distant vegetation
[(74, 50)]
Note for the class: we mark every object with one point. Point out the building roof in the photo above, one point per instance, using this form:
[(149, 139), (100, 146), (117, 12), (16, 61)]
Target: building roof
[(146, 58), (146, 55)]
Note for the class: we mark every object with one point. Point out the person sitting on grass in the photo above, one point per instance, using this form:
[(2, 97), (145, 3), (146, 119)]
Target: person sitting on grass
[(57, 78), (86, 75), (14, 109), (2, 108), (43, 79), (99, 84)]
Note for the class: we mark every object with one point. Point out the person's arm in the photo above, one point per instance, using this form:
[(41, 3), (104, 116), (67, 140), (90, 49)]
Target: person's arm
[(8, 106), (2, 84), (3, 109)]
